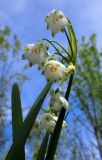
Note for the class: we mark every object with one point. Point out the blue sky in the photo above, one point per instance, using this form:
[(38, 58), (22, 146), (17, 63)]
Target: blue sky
[(26, 19)]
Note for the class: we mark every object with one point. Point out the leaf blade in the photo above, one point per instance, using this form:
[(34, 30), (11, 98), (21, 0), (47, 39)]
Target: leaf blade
[(73, 39), (27, 124), (17, 118)]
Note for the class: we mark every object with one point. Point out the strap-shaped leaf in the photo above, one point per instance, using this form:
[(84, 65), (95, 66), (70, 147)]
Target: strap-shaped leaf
[(16, 110), (23, 134), (56, 134), (43, 148), (17, 118), (73, 40)]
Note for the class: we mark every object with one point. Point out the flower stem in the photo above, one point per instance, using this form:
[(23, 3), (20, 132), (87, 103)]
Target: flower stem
[(57, 50), (56, 134), (43, 147), (61, 47), (69, 41)]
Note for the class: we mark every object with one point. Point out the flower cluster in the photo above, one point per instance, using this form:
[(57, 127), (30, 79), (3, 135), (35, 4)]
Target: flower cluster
[(52, 69), (48, 120), (38, 53)]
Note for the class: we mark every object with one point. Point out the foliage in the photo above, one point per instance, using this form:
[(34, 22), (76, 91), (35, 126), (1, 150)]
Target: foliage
[(87, 94)]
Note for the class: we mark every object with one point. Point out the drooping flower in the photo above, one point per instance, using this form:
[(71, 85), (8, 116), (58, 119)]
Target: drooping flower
[(56, 21), (57, 102), (55, 71), (35, 53), (48, 122), (35, 129)]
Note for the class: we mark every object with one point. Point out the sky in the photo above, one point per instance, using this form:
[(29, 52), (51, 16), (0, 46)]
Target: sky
[(26, 19)]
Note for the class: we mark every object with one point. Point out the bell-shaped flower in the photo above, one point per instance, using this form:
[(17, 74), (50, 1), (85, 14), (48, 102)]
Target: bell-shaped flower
[(35, 53), (48, 122), (57, 102), (56, 21), (55, 71), (35, 129)]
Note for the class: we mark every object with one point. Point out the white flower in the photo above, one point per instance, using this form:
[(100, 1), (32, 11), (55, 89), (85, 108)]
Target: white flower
[(35, 129), (55, 71), (70, 68), (56, 21), (57, 102), (35, 53), (48, 122)]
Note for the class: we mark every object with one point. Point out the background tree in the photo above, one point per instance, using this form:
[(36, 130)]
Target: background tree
[(87, 104), (10, 71)]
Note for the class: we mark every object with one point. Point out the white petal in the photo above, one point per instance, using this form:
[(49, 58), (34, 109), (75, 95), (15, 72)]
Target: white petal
[(56, 21), (54, 70)]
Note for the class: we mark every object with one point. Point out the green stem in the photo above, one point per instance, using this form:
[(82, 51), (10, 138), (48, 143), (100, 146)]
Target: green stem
[(57, 50), (56, 134), (60, 46), (69, 41), (67, 60), (43, 147)]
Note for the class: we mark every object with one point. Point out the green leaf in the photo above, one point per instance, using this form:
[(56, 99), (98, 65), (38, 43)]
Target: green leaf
[(73, 40), (43, 148), (27, 125), (17, 118)]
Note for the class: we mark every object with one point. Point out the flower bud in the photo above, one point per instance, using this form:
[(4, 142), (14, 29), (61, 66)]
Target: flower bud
[(70, 68)]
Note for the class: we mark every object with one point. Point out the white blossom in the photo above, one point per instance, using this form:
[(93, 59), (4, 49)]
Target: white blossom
[(55, 71), (57, 102), (35, 53), (56, 21), (35, 129), (48, 122)]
